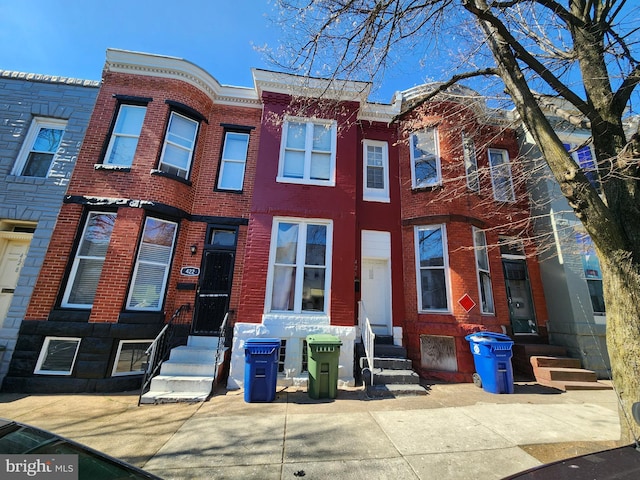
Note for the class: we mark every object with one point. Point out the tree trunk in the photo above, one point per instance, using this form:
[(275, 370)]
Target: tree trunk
[(621, 283)]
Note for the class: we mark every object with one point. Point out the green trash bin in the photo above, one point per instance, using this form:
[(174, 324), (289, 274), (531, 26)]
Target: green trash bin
[(323, 354)]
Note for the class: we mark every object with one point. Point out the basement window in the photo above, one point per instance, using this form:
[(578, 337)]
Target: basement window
[(58, 356), (131, 357)]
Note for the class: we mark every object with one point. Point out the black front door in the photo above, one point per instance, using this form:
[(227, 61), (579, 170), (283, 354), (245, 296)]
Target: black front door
[(212, 300)]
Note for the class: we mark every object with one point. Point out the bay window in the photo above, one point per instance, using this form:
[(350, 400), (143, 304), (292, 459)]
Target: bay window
[(432, 268), (152, 265), (179, 144), (125, 135), (501, 175), (87, 264), (482, 269), (425, 158)]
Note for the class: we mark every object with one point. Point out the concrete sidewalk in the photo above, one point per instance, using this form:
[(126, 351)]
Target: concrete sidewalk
[(457, 431)]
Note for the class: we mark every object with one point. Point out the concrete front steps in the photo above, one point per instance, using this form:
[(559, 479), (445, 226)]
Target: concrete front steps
[(565, 373), (393, 374), (188, 374)]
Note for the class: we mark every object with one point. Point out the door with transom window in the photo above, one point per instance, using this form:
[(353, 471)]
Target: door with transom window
[(216, 279)]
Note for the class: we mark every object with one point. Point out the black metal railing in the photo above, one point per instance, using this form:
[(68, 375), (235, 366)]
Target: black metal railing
[(225, 336), (161, 346)]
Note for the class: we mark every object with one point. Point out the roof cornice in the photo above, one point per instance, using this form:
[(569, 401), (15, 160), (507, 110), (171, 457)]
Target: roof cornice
[(137, 63)]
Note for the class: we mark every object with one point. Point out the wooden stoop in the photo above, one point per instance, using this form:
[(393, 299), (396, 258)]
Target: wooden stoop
[(565, 373)]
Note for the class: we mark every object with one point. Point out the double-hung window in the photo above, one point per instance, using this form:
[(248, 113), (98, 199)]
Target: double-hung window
[(234, 160), (308, 152), (87, 264), (152, 265), (124, 137), (300, 260), (179, 144), (376, 171), (40, 147), (501, 175), (583, 156), (592, 272), (470, 163), (482, 268), (432, 268), (425, 158)]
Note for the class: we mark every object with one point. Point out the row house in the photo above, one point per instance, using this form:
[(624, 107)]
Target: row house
[(570, 268), (42, 123), (296, 205), (161, 187)]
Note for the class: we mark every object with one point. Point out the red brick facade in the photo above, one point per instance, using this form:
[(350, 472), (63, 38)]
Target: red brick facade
[(196, 205)]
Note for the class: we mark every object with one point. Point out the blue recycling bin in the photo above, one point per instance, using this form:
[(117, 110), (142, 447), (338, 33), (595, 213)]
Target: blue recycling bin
[(261, 369), (492, 358)]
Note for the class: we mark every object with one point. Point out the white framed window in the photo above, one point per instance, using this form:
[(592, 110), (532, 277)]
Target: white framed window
[(501, 175), (375, 171), (179, 144), (131, 357), (432, 267), (233, 162), (308, 152), (58, 356), (40, 147), (592, 272), (585, 158), (425, 158), (482, 268), (125, 135), (470, 163), (152, 265), (299, 275), (87, 264)]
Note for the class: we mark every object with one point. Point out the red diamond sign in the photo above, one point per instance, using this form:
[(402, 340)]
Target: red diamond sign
[(466, 302)]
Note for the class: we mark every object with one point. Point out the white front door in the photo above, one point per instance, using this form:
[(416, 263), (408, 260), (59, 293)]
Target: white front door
[(10, 265), (376, 294)]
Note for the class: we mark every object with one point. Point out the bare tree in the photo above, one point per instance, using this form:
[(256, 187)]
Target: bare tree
[(583, 52)]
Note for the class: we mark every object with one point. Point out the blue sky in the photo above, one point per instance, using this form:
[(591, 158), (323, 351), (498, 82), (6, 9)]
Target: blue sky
[(70, 37)]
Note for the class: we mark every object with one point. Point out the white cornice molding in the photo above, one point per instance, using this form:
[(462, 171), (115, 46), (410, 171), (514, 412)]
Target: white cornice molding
[(301, 86), (138, 63)]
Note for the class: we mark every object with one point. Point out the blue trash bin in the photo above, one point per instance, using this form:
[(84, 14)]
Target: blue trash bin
[(261, 369), (492, 358)]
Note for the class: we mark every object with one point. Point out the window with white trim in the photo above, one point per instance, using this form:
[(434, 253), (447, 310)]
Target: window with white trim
[(131, 357), (308, 152), (482, 269), (179, 144), (432, 268), (592, 272), (299, 266), (583, 155), (152, 265), (375, 171), (470, 163), (87, 264), (425, 158), (40, 147), (125, 135), (58, 356), (501, 175), (234, 159)]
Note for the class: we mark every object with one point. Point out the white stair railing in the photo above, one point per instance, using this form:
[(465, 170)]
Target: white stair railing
[(368, 337)]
